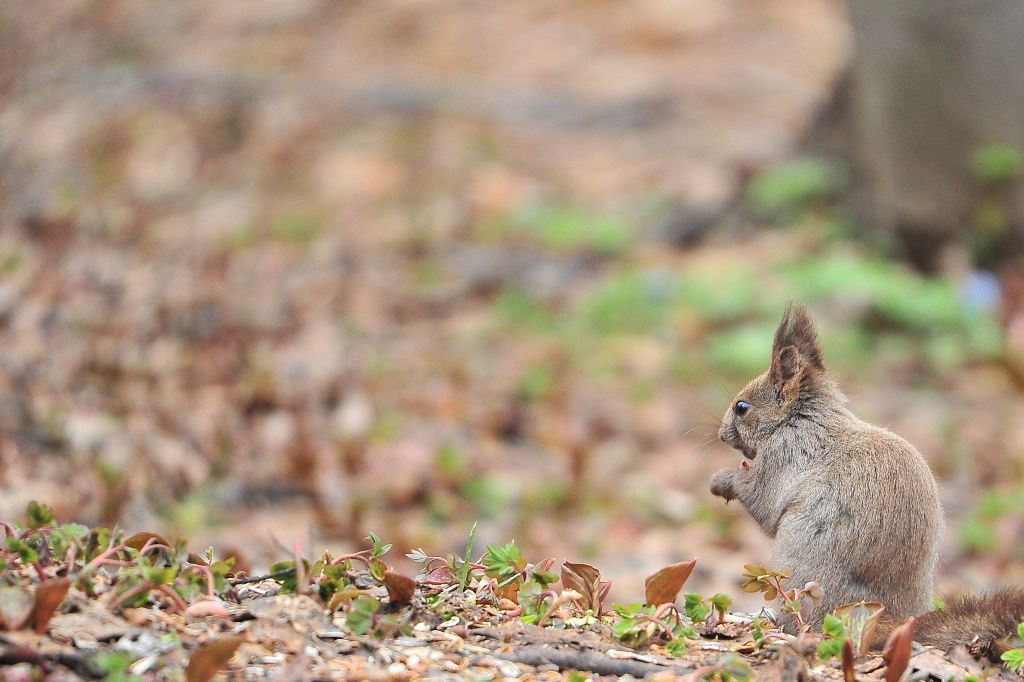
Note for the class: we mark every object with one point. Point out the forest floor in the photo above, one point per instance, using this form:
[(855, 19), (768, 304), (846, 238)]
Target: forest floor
[(85, 603)]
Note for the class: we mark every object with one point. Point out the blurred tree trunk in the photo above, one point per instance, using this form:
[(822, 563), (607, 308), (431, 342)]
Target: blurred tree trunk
[(935, 81)]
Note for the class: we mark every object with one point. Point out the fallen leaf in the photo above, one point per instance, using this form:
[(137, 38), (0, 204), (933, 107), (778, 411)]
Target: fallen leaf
[(400, 588), (509, 591), (897, 650), (586, 580), (663, 587), (209, 658), (49, 596)]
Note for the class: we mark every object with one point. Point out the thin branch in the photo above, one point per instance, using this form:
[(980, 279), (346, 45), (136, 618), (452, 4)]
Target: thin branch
[(585, 660), (283, 573)]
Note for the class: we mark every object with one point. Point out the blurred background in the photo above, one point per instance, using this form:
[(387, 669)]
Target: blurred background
[(303, 269)]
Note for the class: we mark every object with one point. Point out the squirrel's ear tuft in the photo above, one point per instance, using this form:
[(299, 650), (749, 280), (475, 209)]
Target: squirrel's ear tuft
[(797, 329)]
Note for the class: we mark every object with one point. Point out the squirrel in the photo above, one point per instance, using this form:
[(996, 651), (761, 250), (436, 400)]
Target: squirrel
[(851, 506)]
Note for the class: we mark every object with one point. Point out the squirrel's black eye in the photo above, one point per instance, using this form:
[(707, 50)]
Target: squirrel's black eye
[(741, 408)]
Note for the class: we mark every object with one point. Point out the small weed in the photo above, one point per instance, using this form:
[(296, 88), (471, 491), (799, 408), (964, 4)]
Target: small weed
[(770, 583), (835, 636)]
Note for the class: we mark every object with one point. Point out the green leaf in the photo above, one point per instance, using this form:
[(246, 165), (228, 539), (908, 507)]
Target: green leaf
[(721, 602), (624, 627), (159, 576), (1014, 658), (39, 515), (468, 559), (695, 607), (677, 647), (379, 548), (503, 560), (360, 616), (830, 648), (1020, 630), (627, 610), (24, 550), (833, 626)]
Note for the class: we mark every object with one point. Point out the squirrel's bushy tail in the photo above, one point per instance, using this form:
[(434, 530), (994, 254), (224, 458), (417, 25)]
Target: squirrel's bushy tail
[(987, 617)]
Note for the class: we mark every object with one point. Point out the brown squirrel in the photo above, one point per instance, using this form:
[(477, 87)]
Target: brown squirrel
[(850, 506)]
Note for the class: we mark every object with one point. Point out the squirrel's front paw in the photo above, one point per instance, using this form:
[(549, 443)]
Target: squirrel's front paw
[(723, 484)]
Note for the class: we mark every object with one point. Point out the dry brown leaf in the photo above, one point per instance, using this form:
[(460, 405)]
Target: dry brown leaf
[(509, 591), (49, 596), (400, 588), (209, 658), (586, 580), (663, 587), (897, 650)]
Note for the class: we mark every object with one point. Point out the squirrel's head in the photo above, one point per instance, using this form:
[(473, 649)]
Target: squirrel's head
[(796, 374)]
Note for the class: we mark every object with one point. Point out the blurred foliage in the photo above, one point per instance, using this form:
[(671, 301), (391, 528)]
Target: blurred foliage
[(562, 228), (783, 192), (996, 163), (887, 307), (978, 532)]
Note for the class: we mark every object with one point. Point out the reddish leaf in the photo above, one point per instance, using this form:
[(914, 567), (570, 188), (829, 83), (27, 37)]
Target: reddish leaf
[(49, 596), (442, 575), (401, 588), (663, 587), (139, 540), (897, 651), (209, 658), (15, 607), (848, 674)]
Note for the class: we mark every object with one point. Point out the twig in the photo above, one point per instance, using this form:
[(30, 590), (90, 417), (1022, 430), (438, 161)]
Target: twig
[(585, 660), (80, 665), (284, 572)]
